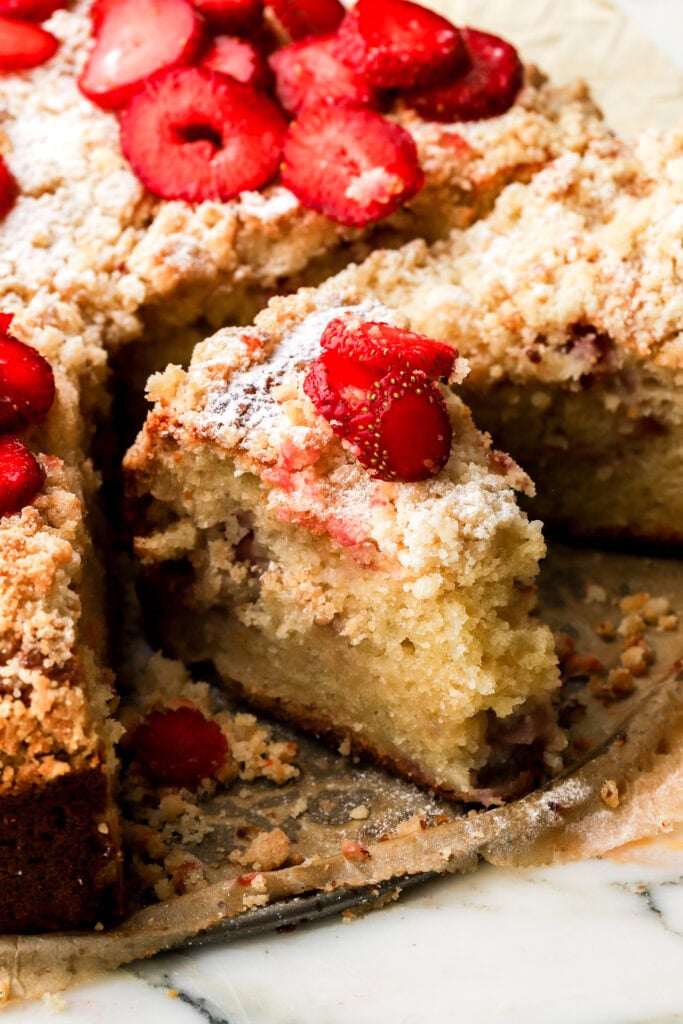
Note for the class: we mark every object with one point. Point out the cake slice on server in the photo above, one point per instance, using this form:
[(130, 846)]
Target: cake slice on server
[(59, 844), (333, 532)]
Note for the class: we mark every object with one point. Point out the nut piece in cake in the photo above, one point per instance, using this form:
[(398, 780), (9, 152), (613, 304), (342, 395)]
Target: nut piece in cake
[(387, 613)]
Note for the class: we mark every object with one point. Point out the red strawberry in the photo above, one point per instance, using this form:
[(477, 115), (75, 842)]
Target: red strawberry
[(236, 17), (385, 348), (403, 432), (21, 475), (8, 189), (304, 18), (23, 45), (135, 39), (308, 73), (372, 384), (27, 384), (179, 747), (350, 164), (238, 59), (398, 44), (488, 87), (31, 10), (337, 387), (197, 135)]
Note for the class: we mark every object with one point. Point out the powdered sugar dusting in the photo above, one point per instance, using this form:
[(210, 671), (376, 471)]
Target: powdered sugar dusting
[(247, 403)]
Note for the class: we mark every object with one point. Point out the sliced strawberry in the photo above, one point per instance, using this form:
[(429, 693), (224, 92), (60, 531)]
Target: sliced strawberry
[(31, 10), (236, 17), (385, 348), (179, 747), (309, 74), (350, 164), (398, 44), (99, 11), (21, 475), (23, 45), (27, 384), (488, 87), (8, 189), (135, 39), (198, 135), (238, 59), (6, 322), (403, 431), (304, 18)]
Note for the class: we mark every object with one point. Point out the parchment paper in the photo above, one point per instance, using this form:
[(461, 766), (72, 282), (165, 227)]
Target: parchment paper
[(636, 747)]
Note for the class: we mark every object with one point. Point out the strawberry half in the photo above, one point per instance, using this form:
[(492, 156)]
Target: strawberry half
[(23, 45), (21, 475), (351, 165), (179, 747), (238, 59), (309, 74), (27, 384), (399, 44), (236, 17), (304, 18), (487, 88), (403, 431), (8, 189), (135, 39), (384, 348), (197, 135), (374, 385), (31, 10)]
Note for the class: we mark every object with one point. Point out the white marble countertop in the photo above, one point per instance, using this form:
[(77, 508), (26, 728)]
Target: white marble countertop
[(588, 943)]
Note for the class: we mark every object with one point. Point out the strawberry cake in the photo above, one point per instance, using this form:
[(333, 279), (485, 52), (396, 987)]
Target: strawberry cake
[(308, 533), (164, 168)]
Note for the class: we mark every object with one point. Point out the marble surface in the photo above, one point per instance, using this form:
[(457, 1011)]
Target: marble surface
[(588, 943)]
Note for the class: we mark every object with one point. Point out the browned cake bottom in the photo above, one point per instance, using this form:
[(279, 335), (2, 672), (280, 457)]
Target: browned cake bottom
[(58, 868)]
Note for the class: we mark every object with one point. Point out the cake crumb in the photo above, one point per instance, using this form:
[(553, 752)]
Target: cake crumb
[(353, 851), (634, 602), (610, 793), (605, 629), (267, 851), (344, 747), (618, 684), (595, 594), (172, 993), (359, 813)]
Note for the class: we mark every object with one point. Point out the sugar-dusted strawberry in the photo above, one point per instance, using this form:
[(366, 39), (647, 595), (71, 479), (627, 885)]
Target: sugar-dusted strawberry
[(487, 88), (27, 384), (235, 17), (398, 44), (196, 135), (402, 432), (383, 348), (23, 45), (309, 73), (8, 189), (238, 59), (374, 384), (31, 10), (304, 18), (135, 39), (179, 747), (21, 475), (352, 165)]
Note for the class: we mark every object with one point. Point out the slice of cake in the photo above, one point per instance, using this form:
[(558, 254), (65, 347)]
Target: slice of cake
[(566, 302), (332, 531), (59, 847)]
